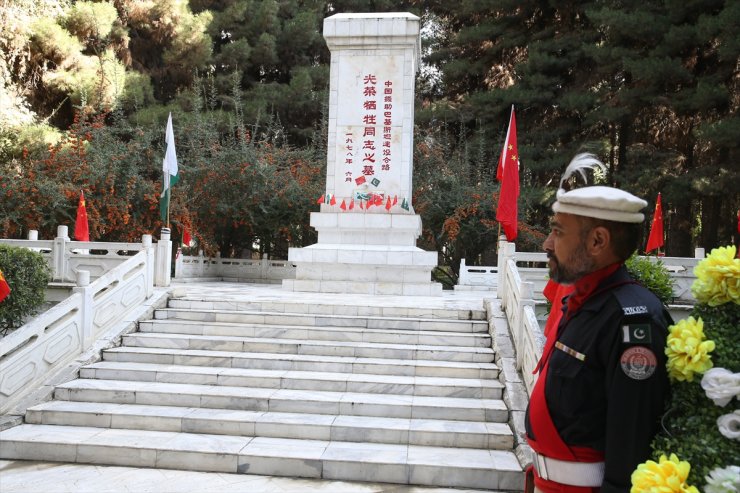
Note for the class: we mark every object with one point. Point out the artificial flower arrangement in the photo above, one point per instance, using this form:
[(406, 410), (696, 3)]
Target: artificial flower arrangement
[(698, 427)]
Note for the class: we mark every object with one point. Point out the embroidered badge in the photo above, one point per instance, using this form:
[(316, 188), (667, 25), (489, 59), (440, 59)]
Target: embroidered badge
[(638, 363), (634, 310), (637, 334)]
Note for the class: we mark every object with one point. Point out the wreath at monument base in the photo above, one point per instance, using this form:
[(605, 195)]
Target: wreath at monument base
[(700, 440)]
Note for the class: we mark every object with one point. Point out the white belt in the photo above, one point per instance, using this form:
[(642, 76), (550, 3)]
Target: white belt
[(586, 474)]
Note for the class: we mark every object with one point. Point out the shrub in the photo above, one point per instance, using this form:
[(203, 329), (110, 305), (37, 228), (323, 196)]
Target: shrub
[(653, 275), (27, 274)]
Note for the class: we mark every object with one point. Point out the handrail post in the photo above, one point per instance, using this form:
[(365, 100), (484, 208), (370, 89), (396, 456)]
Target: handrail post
[(148, 247), (83, 287), (162, 276), (59, 255), (505, 251)]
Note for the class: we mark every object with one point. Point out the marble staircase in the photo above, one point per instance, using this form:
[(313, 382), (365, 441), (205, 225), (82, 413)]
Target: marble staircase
[(326, 390)]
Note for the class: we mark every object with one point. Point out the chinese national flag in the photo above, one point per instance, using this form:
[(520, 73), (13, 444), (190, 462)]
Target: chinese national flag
[(352, 203), (4, 288), (320, 200), (344, 205), (655, 240), (82, 230), (508, 174), (186, 238), (388, 204)]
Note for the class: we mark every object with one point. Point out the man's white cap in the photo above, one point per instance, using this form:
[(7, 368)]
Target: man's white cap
[(600, 202), (611, 204)]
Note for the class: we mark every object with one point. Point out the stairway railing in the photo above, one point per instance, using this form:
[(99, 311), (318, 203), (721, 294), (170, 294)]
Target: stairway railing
[(48, 342)]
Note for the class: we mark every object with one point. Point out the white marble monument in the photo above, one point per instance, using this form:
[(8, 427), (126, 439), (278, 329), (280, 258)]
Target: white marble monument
[(367, 229)]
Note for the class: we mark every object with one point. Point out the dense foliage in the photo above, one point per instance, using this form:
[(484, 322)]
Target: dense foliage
[(85, 88), (27, 274)]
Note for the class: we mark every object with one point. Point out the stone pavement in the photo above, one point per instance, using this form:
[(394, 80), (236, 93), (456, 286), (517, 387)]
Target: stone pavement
[(18, 476)]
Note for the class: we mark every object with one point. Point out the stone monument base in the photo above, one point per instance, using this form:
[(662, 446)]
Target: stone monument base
[(364, 253)]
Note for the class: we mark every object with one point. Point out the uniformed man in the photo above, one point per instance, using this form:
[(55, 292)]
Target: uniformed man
[(602, 379)]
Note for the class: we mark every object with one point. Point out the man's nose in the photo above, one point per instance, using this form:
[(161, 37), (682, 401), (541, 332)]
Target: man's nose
[(548, 243)]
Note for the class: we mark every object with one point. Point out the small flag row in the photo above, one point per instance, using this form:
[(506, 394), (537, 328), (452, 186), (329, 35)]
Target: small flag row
[(374, 200)]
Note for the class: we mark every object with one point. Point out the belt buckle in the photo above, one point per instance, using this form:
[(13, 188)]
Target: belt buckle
[(541, 466)]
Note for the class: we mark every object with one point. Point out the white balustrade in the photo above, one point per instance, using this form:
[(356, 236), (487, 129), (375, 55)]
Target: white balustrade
[(233, 269), (51, 340)]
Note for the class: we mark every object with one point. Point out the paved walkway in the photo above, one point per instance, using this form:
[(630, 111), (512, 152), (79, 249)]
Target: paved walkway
[(54, 477)]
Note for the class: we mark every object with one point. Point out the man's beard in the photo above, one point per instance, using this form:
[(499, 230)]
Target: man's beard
[(578, 265)]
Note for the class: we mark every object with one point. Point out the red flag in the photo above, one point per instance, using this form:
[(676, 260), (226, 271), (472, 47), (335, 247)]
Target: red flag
[(506, 212), (344, 205), (361, 204), (333, 200), (395, 199), (655, 240), (4, 287), (378, 200), (388, 204), (82, 230), (320, 200), (352, 203), (508, 146), (186, 238)]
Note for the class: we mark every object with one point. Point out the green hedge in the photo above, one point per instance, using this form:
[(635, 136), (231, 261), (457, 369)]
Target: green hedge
[(27, 274), (653, 275)]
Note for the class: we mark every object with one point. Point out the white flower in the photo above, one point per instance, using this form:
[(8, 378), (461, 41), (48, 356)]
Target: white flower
[(725, 480), (721, 385), (729, 425)]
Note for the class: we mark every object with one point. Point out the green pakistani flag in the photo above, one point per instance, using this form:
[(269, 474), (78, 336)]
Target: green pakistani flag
[(169, 166)]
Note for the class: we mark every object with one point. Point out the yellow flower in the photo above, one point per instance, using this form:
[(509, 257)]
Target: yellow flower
[(666, 476), (687, 351), (718, 278)]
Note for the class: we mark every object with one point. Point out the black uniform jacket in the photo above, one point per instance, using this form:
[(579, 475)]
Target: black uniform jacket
[(612, 399)]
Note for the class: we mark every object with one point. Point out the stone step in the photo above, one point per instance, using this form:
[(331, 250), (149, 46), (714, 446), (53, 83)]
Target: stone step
[(351, 461), (334, 308), (295, 380), (283, 400), (346, 334), (297, 346), (439, 433), (300, 362), (310, 320)]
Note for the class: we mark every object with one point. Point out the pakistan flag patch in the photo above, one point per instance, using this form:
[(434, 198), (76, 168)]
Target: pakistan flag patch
[(636, 334)]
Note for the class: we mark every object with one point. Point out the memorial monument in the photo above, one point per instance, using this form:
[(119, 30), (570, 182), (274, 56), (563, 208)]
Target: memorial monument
[(367, 229)]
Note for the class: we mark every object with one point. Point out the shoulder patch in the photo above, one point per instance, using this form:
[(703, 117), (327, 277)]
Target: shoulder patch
[(638, 363), (635, 310), (637, 334)]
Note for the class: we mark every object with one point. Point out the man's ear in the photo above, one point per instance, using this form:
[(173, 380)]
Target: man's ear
[(599, 241)]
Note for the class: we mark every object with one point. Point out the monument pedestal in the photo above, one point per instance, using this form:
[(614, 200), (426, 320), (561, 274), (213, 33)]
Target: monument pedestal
[(364, 253)]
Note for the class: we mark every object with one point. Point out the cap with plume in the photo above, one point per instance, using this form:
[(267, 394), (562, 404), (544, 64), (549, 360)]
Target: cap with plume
[(600, 202)]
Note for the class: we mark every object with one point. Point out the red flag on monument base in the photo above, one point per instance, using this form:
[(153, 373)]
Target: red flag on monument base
[(655, 240), (4, 287), (320, 200), (507, 212), (186, 238), (388, 203), (82, 230), (344, 205), (352, 203)]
